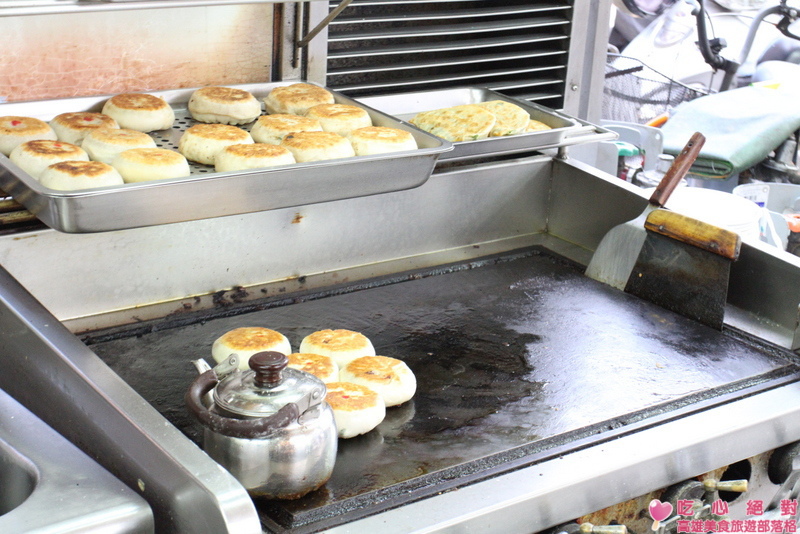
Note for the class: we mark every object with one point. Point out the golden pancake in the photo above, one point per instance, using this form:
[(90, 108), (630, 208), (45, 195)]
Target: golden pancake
[(536, 126), (511, 119), (458, 123)]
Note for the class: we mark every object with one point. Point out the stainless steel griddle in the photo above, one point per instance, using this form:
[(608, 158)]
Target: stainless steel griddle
[(518, 358)]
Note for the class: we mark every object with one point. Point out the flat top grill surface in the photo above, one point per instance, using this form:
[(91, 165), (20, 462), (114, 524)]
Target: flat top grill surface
[(515, 356)]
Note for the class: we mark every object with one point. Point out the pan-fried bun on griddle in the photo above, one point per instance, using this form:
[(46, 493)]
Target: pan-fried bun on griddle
[(223, 105), (72, 175), (251, 156), (146, 164), (356, 409), (104, 144), (458, 123), (391, 378), (17, 130), (296, 98), (323, 367), (273, 128), (247, 341), (34, 157), (140, 111), (380, 140), (341, 345), (73, 127)]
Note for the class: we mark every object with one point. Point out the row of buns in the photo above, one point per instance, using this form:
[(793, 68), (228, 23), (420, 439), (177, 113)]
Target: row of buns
[(93, 149), (360, 384)]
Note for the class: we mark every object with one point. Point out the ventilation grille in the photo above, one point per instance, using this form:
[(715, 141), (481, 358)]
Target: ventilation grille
[(516, 47)]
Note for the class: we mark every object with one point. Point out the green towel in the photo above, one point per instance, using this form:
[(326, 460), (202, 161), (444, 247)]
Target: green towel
[(742, 126)]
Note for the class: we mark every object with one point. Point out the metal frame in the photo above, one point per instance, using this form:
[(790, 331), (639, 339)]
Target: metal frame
[(583, 95)]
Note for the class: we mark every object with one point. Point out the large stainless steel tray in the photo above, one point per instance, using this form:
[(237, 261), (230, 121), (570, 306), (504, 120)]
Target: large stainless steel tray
[(206, 193), (404, 106)]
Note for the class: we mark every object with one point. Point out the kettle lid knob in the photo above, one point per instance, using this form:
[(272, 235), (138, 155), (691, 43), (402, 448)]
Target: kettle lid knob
[(268, 367)]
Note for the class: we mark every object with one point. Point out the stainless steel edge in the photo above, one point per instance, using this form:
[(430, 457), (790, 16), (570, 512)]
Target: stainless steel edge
[(98, 501), (11, 8), (564, 488), (54, 375)]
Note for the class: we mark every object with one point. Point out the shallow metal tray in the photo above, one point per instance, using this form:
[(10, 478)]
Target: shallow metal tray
[(404, 106), (205, 193)]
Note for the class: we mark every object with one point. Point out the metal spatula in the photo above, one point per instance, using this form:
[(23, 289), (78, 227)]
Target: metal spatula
[(616, 255)]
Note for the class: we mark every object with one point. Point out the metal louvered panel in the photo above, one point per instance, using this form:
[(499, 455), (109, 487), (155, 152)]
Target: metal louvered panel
[(517, 47)]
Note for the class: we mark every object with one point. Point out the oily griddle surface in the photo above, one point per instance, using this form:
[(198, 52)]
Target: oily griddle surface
[(513, 356)]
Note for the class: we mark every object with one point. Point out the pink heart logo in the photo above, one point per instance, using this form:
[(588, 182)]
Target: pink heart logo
[(659, 511)]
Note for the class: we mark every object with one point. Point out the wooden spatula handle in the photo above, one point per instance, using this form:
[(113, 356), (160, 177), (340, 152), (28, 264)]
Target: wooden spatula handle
[(678, 170)]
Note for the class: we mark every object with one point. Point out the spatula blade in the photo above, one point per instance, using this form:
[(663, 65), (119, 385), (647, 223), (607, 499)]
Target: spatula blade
[(615, 257)]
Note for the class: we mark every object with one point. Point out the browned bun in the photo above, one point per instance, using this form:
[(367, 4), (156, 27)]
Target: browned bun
[(73, 127), (340, 118), (296, 98), (17, 130), (357, 409), (389, 377), (72, 175), (34, 157), (140, 111), (323, 367), (223, 105), (317, 146), (247, 341)]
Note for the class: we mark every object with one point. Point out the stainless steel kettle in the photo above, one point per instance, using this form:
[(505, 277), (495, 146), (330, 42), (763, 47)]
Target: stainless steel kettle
[(269, 426)]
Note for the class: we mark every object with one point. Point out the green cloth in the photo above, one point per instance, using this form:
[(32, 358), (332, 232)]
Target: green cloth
[(742, 126)]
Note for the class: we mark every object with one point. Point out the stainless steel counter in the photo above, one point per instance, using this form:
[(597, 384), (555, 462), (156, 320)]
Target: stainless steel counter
[(126, 277)]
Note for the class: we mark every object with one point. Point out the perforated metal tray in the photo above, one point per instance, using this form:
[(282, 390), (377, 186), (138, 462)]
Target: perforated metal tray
[(206, 193), (404, 106)]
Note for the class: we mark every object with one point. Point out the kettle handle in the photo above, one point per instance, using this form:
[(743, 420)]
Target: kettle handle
[(228, 426)]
